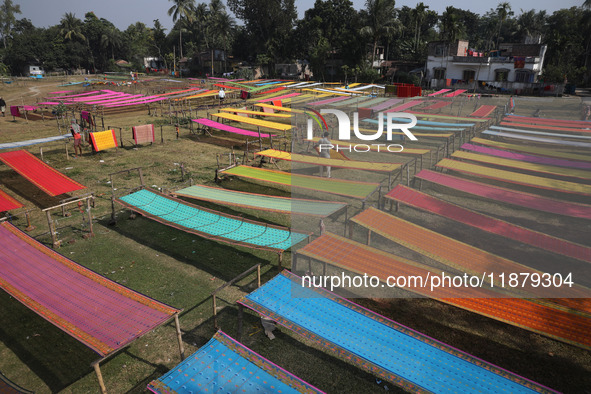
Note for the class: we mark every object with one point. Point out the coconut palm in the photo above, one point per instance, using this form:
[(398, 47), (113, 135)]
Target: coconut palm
[(224, 27), (419, 13), (451, 28), (111, 39), (71, 27), (200, 21), (531, 24), (381, 21), (182, 9), (503, 11)]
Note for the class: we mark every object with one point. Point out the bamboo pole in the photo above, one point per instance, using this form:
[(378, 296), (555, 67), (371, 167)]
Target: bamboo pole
[(99, 375), (179, 336), (51, 229), (91, 233)]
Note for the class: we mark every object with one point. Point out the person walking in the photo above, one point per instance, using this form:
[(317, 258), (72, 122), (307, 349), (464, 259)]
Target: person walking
[(3, 107)]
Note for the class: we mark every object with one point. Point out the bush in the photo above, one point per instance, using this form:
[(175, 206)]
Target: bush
[(4, 70), (244, 73), (368, 75), (404, 77)]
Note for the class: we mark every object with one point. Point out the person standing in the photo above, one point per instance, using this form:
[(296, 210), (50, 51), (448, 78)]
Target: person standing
[(222, 95), (3, 106), (75, 130), (323, 147)]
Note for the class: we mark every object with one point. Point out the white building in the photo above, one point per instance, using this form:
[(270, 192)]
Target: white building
[(34, 70), (514, 67)]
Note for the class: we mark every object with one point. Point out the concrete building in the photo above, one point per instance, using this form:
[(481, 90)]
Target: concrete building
[(513, 68), (297, 70)]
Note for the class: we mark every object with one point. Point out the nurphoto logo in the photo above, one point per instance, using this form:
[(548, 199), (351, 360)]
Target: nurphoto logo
[(393, 120)]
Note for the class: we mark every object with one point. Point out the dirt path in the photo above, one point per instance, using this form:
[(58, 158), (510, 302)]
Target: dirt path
[(34, 89)]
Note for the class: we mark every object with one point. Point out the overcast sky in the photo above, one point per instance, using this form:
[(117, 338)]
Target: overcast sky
[(122, 13)]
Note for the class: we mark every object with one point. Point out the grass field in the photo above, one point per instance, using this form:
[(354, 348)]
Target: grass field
[(182, 269)]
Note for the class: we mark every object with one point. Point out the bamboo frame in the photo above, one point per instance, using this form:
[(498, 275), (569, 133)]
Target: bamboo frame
[(96, 364), (231, 282), (56, 242)]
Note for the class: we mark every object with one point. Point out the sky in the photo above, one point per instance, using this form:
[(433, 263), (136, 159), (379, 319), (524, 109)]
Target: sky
[(122, 13)]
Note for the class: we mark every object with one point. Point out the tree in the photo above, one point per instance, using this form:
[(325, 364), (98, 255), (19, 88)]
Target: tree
[(138, 37), (318, 52), (111, 39), (269, 33), (71, 27), (503, 11), (531, 24), (224, 27), (338, 24), (565, 37), (158, 41), (451, 26), (220, 28), (381, 21), (24, 48), (419, 13), (7, 18), (71, 31), (182, 9)]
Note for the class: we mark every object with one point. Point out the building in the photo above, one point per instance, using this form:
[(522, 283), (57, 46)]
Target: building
[(154, 64), (513, 67), (34, 70), (220, 61), (297, 70)]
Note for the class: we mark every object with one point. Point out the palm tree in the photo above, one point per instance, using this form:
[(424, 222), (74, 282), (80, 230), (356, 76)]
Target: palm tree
[(71, 27), (531, 24), (419, 14), (451, 28), (381, 21), (503, 11), (216, 7), (182, 9), (111, 39), (200, 18), (225, 27), (220, 26)]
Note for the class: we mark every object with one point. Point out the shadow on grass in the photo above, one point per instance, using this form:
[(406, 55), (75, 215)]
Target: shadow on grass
[(322, 369), (55, 357), (222, 261), (554, 364), (141, 387), (25, 189)]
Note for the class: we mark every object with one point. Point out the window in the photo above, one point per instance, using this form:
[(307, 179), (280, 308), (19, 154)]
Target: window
[(439, 73), (469, 75), (501, 75), (522, 76), (440, 50)]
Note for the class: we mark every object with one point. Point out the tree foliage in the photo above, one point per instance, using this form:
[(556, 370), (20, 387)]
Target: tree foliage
[(8, 19)]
